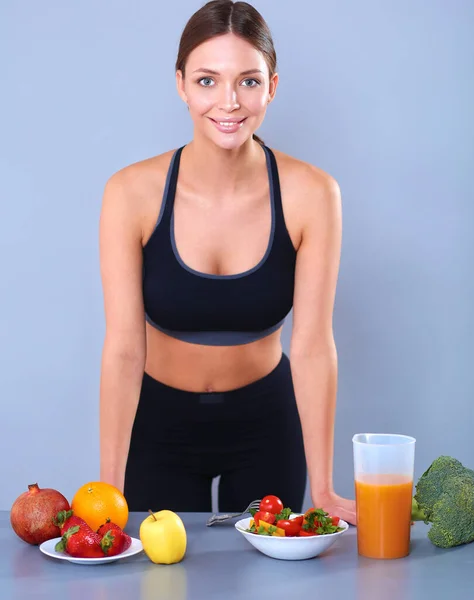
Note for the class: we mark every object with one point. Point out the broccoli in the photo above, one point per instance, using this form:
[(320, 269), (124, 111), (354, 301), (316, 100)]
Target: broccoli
[(416, 513), (445, 498)]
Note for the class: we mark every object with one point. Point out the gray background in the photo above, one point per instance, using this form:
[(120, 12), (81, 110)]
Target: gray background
[(379, 94)]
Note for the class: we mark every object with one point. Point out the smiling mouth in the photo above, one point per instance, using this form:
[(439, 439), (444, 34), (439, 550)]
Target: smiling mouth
[(227, 122), (232, 126)]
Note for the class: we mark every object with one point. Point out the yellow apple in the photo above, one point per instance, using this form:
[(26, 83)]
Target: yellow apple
[(163, 537)]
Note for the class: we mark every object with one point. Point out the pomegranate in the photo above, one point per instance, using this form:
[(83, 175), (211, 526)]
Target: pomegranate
[(33, 512)]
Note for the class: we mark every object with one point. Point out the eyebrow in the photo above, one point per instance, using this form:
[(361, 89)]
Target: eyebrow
[(211, 72)]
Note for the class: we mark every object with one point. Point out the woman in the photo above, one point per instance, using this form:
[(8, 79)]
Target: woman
[(204, 251)]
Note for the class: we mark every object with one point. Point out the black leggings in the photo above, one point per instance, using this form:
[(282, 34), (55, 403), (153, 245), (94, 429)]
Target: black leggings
[(250, 436)]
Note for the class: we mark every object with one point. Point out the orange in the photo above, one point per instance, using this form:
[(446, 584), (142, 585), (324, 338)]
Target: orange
[(97, 501)]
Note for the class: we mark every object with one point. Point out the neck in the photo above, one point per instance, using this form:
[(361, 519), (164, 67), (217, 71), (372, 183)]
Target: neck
[(223, 171)]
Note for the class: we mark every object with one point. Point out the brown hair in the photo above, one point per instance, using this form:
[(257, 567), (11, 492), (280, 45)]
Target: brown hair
[(219, 17)]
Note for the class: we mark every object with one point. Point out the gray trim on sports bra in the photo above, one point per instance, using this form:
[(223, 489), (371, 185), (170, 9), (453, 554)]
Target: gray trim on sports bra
[(217, 338), (252, 269), (164, 196)]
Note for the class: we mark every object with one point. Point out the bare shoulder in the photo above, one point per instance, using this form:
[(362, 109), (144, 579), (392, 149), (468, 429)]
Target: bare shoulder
[(137, 190), (141, 175), (310, 195), (305, 183)]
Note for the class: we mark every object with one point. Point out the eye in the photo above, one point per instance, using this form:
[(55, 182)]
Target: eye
[(205, 79), (255, 81)]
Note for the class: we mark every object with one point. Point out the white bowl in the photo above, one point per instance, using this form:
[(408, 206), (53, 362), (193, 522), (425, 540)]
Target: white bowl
[(290, 548)]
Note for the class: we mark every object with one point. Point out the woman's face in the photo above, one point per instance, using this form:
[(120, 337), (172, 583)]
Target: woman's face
[(227, 88)]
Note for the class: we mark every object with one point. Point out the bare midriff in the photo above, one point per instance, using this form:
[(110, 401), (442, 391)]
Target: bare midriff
[(199, 368)]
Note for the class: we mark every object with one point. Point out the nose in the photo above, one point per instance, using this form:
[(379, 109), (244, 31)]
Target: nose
[(229, 100)]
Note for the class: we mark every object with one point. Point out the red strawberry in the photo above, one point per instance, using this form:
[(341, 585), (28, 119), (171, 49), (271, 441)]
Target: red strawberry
[(81, 542), (114, 539), (66, 519)]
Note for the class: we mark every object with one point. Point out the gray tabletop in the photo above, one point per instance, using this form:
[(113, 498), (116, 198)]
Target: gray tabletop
[(220, 563)]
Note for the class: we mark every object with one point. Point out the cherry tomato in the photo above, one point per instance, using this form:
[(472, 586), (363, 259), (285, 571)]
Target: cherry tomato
[(298, 520), (335, 520), (290, 526), (271, 504), (263, 516), (304, 533)]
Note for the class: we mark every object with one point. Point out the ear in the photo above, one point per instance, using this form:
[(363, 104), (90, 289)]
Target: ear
[(273, 86), (180, 86)]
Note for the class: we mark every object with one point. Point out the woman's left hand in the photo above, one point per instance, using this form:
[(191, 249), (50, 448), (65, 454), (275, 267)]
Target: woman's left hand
[(336, 506)]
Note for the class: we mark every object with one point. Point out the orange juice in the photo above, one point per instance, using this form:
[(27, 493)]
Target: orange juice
[(383, 504)]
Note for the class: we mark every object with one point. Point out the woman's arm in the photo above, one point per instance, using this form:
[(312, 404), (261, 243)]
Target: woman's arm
[(123, 356), (313, 352)]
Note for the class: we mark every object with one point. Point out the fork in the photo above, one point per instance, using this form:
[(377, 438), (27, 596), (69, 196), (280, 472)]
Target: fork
[(221, 518)]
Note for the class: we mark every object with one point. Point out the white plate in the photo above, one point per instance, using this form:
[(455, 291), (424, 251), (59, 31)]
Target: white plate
[(48, 549), (290, 548)]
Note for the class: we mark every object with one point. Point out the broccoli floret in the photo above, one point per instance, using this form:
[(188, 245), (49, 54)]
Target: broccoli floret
[(416, 513), (431, 483), (453, 514), (445, 497)]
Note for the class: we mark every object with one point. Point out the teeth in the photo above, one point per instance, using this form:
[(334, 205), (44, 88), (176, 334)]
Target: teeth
[(227, 124)]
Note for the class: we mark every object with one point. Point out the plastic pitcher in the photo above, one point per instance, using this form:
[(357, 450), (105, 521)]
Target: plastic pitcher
[(383, 473)]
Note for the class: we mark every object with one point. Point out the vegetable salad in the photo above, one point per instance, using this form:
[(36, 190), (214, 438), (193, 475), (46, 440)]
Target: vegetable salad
[(274, 519)]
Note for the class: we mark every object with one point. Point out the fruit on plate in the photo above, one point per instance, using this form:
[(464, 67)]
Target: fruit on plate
[(81, 542), (163, 536), (66, 519), (113, 540), (97, 501), (33, 512)]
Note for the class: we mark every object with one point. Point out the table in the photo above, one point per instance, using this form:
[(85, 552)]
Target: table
[(221, 564)]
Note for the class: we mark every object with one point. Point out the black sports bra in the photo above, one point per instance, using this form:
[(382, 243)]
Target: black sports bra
[(217, 310)]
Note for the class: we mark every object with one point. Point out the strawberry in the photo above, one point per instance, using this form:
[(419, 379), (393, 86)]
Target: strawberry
[(66, 519), (114, 539), (80, 542)]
